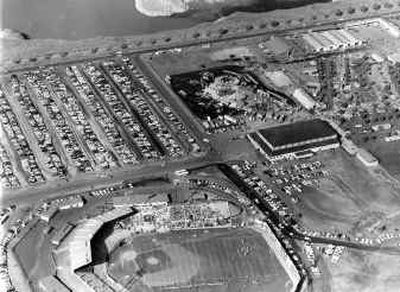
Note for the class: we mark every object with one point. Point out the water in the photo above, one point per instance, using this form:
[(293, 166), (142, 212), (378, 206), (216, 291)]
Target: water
[(76, 19)]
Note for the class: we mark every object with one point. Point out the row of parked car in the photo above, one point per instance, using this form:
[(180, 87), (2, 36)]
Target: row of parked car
[(147, 149), (102, 156), (171, 117), (62, 129), (292, 178), (124, 151), (245, 170), (93, 281), (41, 132), (87, 117), (142, 107), (264, 191), (206, 183), (8, 178), (19, 142)]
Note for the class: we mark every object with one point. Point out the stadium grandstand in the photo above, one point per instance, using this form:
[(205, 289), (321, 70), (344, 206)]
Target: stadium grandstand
[(97, 284), (140, 200), (75, 250), (51, 283)]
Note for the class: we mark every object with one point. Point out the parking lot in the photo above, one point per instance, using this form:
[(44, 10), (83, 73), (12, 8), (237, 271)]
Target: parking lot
[(19, 143), (86, 117)]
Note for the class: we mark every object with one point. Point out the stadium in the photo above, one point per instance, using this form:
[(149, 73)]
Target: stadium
[(218, 259), (111, 252), (287, 140)]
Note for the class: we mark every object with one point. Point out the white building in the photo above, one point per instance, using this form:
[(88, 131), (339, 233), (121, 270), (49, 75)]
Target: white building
[(367, 158), (332, 40), (304, 99)]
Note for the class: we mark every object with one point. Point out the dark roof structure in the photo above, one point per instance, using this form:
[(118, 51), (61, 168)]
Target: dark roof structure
[(298, 133)]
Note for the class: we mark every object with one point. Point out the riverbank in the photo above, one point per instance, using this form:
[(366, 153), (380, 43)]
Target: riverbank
[(91, 18), (17, 53)]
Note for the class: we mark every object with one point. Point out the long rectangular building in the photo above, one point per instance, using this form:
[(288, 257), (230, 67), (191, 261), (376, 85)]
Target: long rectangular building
[(331, 40), (296, 137)]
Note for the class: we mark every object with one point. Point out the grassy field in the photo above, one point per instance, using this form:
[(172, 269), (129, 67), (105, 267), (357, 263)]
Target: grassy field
[(215, 260), (366, 272), (388, 154), (34, 253), (349, 197), (196, 58)]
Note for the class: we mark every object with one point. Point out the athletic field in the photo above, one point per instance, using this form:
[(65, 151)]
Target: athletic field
[(200, 260)]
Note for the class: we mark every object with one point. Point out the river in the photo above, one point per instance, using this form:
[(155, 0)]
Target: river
[(77, 19)]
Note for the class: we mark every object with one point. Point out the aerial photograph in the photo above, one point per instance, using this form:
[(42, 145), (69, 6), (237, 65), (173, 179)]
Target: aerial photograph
[(200, 145)]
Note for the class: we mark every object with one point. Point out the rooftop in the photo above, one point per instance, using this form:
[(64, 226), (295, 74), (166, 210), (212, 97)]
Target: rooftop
[(298, 132), (51, 283)]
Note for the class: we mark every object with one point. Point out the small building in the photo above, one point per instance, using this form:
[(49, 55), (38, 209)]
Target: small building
[(395, 136), (377, 58), (304, 99), (367, 158), (48, 214), (279, 78), (70, 202), (381, 127), (181, 172)]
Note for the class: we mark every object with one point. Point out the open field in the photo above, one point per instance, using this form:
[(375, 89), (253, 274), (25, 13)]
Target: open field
[(366, 272), (321, 210), (234, 147), (199, 57), (34, 246), (388, 154), (210, 260), (350, 197)]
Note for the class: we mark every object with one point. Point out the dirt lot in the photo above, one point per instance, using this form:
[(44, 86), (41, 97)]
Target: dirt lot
[(34, 253), (366, 272), (388, 154), (352, 197)]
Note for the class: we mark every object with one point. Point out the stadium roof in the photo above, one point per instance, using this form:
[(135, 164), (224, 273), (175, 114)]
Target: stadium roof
[(297, 132), (138, 199), (51, 283)]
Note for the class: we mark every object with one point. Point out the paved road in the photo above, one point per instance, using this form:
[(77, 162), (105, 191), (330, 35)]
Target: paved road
[(289, 230), (219, 39), (28, 197), (62, 188), (171, 98)]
